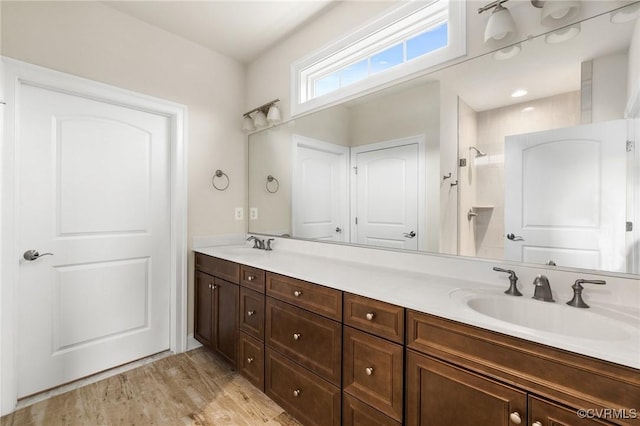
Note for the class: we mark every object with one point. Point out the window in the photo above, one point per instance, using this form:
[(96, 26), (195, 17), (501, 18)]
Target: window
[(411, 38)]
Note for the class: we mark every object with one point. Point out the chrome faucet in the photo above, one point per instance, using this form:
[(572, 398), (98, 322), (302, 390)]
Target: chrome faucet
[(577, 292), (257, 243), (543, 289), (267, 246), (513, 279)]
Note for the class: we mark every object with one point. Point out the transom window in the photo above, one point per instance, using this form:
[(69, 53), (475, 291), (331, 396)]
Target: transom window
[(413, 37)]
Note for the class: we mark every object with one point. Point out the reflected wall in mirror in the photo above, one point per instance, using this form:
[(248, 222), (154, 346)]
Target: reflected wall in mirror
[(454, 162)]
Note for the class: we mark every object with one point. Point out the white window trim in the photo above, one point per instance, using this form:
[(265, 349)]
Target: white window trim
[(300, 69)]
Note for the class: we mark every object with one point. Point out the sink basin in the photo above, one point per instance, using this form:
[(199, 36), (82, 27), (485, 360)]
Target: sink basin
[(556, 318)]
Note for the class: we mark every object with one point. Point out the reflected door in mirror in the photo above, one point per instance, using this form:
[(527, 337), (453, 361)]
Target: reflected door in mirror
[(565, 196)]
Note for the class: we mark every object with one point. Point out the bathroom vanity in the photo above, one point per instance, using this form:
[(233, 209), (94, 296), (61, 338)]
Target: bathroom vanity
[(356, 344)]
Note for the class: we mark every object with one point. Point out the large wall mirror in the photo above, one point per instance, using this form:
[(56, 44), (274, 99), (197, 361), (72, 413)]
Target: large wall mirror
[(517, 155)]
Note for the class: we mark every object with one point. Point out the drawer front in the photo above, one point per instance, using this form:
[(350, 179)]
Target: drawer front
[(373, 371), (375, 317), (309, 339), (251, 360), (307, 397), (252, 278), (315, 298), (220, 268), (357, 413), (252, 313)]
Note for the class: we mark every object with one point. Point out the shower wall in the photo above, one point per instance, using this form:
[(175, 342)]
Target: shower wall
[(557, 111)]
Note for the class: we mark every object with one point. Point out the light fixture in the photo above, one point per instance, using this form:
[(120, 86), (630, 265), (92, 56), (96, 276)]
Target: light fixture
[(507, 52), (562, 35), (519, 93), (262, 116), (625, 14), (500, 24), (558, 10)]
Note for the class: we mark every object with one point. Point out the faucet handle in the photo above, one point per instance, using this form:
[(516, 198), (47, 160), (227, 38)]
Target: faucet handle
[(255, 241), (513, 280), (577, 301), (268, 244)]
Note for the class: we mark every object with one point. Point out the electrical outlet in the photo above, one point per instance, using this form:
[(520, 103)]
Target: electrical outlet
[(253, 213), (239, 213)]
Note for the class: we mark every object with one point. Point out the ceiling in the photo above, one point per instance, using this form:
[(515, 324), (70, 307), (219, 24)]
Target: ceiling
[(239, 29)]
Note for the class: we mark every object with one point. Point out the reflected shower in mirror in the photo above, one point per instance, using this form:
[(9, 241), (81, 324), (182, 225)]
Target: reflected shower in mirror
[(521, 159)]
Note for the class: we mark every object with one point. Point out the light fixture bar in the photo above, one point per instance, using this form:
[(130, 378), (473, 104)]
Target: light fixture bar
[(491, 5), (264, 108)]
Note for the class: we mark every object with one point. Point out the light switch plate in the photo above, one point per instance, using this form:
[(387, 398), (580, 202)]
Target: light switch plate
[(253, 213), (239, 213)]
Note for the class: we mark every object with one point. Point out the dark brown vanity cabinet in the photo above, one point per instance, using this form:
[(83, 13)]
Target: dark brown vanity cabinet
[(373, 367), (464, 375), (251, 355), (303, 336), (216, 305)]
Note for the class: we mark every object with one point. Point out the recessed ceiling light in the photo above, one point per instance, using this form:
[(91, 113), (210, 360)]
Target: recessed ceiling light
[(507, 52), (518, 93), (528, 109), (562, 35), (626, 14)]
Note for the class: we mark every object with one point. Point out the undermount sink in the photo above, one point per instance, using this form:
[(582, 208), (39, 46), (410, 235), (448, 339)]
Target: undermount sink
[(556, 318)]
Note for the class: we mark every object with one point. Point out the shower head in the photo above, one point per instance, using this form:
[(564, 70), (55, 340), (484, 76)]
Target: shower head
[(478, 152)]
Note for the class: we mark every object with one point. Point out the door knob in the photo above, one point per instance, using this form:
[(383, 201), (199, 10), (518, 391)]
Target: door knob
[(410, 234), (32, 255), (513, 237), (338, 230)]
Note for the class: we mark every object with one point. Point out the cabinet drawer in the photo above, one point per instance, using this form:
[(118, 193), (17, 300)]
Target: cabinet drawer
[(316, 298), (251, 360), (220, 268), (357, 413), (307, 397), (548, 413), (375, 317), (252, 278), (309, 339), (252, 313), (373, 371)]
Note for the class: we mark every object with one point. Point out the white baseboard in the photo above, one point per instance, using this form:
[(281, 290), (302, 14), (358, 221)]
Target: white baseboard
[(192, 343)]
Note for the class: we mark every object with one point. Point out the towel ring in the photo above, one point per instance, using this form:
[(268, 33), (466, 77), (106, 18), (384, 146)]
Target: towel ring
[(271, 179), (218, 174)]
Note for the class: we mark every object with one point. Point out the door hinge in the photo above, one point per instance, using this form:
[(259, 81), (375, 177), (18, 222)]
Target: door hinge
[(630, 146), (356, 220), (629, 226), (355, 169)]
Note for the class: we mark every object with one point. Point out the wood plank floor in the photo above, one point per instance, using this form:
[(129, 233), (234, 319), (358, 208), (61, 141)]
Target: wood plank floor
[(192, 388)]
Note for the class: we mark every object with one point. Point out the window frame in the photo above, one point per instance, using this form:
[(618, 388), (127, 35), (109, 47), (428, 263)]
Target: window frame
[(395, 26)]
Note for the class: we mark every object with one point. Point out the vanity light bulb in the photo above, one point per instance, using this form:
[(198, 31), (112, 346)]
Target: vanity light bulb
[(273, 116), (247, 124), (260, 120)]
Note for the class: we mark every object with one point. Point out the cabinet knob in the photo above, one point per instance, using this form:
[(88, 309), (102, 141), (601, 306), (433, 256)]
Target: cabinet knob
[(296, 393), (297, 293), (251, 277), (370, 316), (249, 360), (209, 285), (214, 286), (251, 313), (369, 371), (536, 424), (296, 336), (515, 418)]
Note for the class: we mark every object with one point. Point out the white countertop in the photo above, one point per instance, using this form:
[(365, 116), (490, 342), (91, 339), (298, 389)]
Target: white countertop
[(445, 297)]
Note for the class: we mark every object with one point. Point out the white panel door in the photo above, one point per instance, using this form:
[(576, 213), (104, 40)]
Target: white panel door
[(386, 197), (94, 185), (319, 199), (565, 196)]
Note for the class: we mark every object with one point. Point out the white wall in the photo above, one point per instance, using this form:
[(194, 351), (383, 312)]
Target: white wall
[(94, 41), (609, 87)]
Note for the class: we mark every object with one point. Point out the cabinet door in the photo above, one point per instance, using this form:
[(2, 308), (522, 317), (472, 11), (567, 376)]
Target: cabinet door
[(252, 313), (441, 394), (203, 330), (545, 413), (225, 321)]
